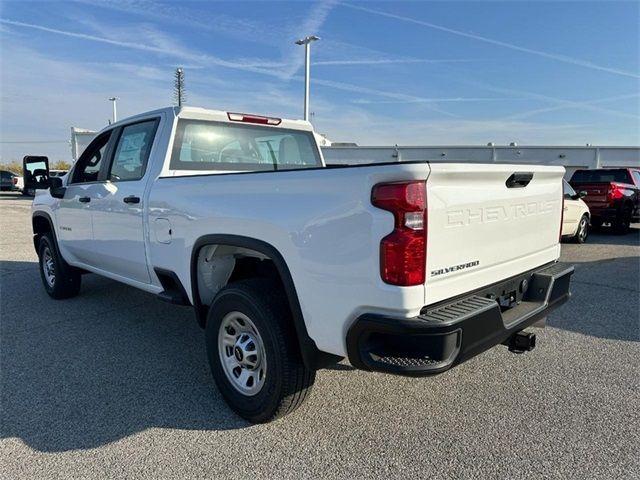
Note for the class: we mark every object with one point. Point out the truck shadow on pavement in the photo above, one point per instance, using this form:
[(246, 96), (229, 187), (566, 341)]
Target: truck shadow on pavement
[(84, 372), (114, 361), (605, 301)]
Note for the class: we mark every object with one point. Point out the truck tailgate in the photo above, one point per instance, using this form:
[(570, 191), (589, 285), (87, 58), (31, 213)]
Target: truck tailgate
[(481, 231), (596, 193)]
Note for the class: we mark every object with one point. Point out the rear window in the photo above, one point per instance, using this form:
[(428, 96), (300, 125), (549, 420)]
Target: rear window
[(601, 176), (201, 145)]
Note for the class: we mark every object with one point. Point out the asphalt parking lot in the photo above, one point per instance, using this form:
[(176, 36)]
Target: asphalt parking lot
[(114, 384)]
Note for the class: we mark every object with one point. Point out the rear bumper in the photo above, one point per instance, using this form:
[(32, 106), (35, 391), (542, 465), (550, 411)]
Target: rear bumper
[(604, 214), (453, 332)]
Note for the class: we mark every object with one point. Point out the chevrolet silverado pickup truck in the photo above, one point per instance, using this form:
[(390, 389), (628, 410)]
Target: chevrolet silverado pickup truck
[(612, 194), (291, 265)]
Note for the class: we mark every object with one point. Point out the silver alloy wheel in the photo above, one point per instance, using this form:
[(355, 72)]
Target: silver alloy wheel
[(48, 267), (242, 353), (583, 229)]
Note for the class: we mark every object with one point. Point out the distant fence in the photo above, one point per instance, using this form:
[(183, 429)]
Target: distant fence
[(571, 157)]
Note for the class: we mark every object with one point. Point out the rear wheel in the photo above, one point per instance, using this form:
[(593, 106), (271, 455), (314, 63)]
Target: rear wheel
[(60, 280), (622, 223), (583, 230), (253, 352)]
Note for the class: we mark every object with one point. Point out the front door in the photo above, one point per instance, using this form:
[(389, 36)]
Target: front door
[(118, 228), (73, 215)]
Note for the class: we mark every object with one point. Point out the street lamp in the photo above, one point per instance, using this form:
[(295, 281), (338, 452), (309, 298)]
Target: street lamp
[(113, 101), (306, 41)]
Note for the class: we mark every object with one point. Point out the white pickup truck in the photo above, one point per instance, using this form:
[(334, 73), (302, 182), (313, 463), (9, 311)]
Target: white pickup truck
[(290, 264)]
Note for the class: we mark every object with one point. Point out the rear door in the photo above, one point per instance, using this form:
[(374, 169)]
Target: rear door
[(489, 222), (118, 222)]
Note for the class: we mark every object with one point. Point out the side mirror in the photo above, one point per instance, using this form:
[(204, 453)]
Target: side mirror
[(56, 187), (582, 194), (35, 170)]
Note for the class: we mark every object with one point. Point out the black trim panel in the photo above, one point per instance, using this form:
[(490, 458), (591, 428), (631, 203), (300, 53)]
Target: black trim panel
[(36, 239), (174, 292), (451, 333), (313, 358)]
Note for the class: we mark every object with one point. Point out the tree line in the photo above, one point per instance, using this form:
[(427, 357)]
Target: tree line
[(16, 167)]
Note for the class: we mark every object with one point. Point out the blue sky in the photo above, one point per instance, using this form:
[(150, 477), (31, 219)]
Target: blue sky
[(406, 72)]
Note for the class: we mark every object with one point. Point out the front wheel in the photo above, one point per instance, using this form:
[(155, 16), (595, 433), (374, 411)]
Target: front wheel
[(253, 352), (583, 230), (60, 280)]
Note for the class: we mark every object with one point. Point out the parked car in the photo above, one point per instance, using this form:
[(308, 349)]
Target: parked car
[(58, 173), (19, 183), (613, 195), (405, 268), (8, 181), (576, 215)]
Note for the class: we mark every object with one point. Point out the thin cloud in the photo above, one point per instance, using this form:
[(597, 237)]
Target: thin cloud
[(347, 87), (587, 104), (540, 53), (208, 20), (171, 50), (311, 26), (362, 101), (165, 50), (389, 61), (558, 103)]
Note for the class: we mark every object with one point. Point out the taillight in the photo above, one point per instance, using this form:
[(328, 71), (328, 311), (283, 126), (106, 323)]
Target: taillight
[(15, 180), (615, 192), (246, 118), (403, 252)]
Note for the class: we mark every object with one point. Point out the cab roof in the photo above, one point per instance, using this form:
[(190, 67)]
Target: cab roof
[(198, 113)]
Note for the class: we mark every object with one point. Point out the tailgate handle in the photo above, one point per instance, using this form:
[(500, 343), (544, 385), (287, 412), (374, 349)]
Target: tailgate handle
[(519, 179)]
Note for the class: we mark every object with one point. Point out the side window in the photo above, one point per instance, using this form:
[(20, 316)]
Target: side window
[(568, 191), (636, 174), (132, 151), (88, 167)]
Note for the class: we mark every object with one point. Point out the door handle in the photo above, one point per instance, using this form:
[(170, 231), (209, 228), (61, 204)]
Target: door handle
[(131, 199), (519, 179), (84, 199)]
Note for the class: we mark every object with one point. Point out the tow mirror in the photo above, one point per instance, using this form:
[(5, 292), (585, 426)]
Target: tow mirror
[(35, 170)]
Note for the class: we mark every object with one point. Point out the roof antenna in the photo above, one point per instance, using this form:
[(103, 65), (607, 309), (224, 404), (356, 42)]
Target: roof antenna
[(178, 86)]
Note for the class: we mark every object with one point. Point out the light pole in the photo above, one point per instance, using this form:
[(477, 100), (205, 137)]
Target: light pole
[(306, 41), (113, 101)]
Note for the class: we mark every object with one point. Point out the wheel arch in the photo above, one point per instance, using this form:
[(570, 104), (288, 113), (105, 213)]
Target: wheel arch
[(312, 357), (42, 223)]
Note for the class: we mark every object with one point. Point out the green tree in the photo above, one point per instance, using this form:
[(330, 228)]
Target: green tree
[(14, 167), (60, 165)]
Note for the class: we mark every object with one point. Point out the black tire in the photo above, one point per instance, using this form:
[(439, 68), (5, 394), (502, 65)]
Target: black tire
[(65, 282), (287, 382), (583, 230)]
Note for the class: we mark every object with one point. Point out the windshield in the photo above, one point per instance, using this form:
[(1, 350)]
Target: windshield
[(601, 176), (202, 145)]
